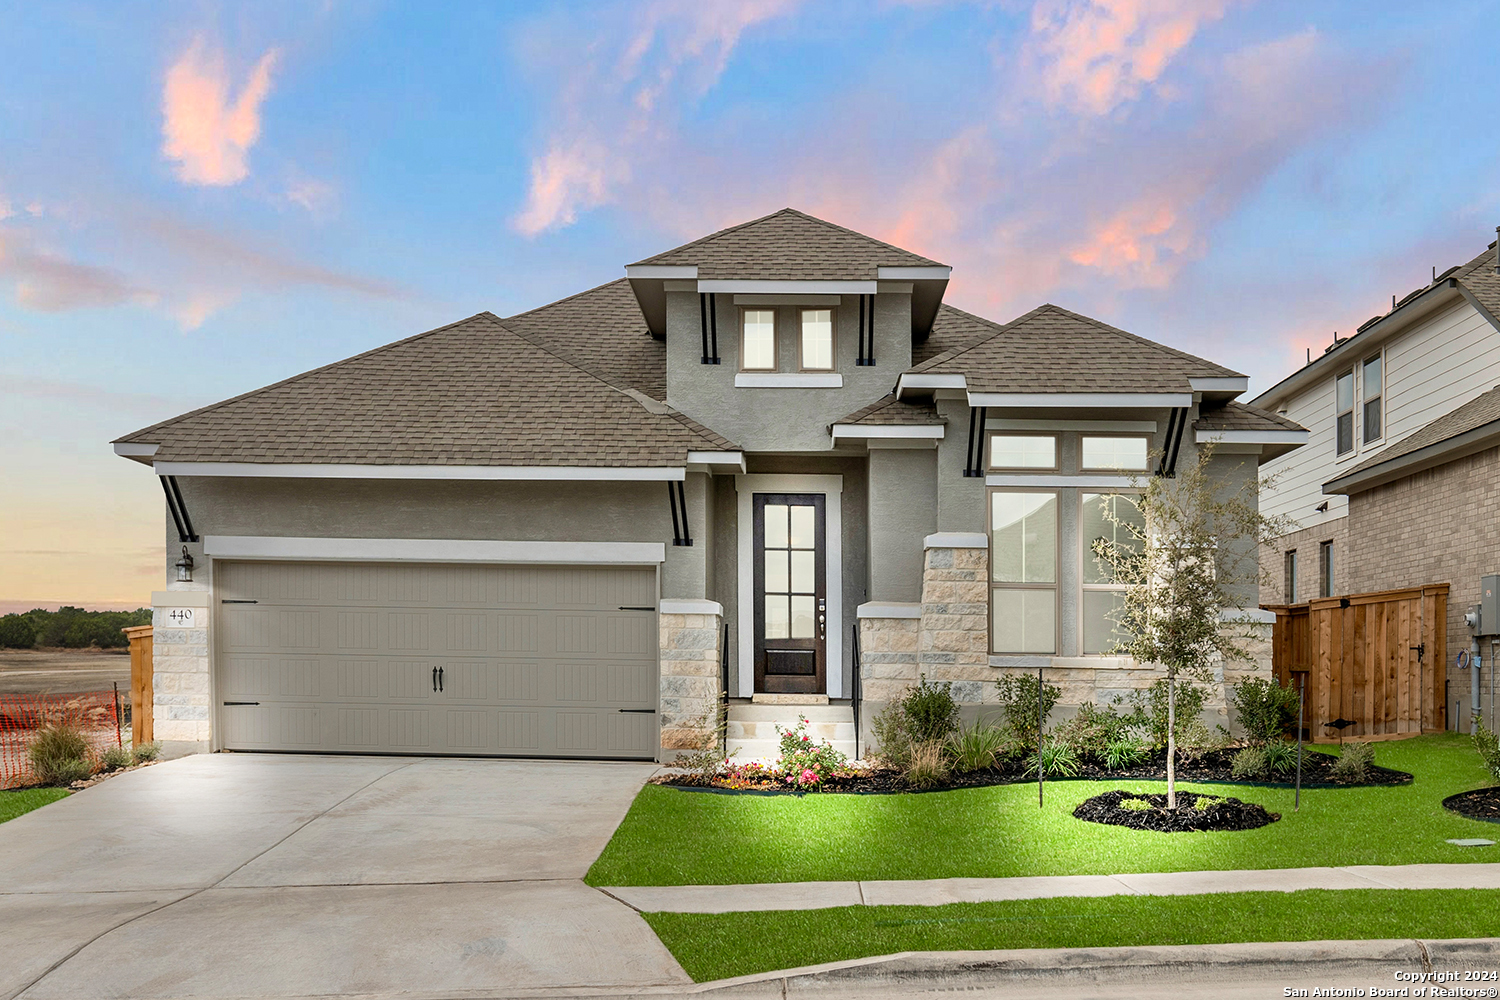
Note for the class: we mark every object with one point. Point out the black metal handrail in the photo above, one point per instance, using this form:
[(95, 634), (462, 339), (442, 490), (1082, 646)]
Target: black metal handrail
[(723, 725), (857, 689)]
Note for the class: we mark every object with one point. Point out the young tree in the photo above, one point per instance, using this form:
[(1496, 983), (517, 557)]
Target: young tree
[(1181, 550)]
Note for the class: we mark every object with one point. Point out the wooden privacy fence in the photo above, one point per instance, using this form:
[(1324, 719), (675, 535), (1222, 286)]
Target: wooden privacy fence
[(1376, 661), (141, 699)]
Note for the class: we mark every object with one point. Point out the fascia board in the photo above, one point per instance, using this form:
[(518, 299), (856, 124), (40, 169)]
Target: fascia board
[(446, 472), (661, 271), (432, 550), (1251, 437), (1235, 384), (926, 382), (1111, 400), (933, 273), (924, 431), (768, 287), (732, 459), (130, 449)]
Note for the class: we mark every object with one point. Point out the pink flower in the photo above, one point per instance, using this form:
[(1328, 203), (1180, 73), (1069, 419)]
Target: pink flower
[(809, 776), (804, 739)]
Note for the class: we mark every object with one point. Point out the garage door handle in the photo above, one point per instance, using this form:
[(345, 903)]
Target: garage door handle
[(638, 711), (624, 608), (434, 678), (227, 601), (242, 703), (440, 678)]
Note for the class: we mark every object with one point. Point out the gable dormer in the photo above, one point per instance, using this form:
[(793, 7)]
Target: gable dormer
[(777, 327)]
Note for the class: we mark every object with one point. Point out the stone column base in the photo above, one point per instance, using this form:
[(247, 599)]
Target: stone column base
[(182, 705), (691, 646)]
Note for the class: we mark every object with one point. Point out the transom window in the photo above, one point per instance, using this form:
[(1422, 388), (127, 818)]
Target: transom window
[(1115, 453), (1343, 390), (817, 340), (791, 571), (1372, 369), (1023, 572), (758, 345), (1117, 520), (1023, 451)]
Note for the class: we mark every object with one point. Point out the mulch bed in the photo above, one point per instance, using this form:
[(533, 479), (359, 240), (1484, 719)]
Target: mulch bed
[(1211, 768), (1481, 803), (1219, 814)]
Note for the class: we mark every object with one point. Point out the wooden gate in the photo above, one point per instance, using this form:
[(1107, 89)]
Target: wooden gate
[(1375, 660)]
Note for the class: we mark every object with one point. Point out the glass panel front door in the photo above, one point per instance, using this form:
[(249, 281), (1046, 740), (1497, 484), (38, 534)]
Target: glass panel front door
[(790, 597)]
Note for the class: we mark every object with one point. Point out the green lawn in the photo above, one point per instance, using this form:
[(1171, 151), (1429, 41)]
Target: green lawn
[(17, 803), (717, 946), (675, 837)]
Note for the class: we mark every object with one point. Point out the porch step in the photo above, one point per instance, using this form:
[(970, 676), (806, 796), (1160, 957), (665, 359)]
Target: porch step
[(751, 729), (789, 699)]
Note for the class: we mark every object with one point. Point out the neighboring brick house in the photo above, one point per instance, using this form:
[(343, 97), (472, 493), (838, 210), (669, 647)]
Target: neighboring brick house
[(1396, 487), (557, 533)]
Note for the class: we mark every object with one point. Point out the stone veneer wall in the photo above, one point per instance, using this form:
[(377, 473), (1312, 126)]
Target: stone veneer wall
[(182, 705), (954, 634), (690, 674)]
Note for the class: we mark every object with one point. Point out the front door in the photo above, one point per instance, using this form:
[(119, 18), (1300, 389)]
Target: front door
[(791, 596)]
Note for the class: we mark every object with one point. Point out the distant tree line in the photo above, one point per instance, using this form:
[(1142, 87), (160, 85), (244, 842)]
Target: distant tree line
[(70, 628)]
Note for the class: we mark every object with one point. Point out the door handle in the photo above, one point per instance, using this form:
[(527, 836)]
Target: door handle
[(440, 678), (434, 678)]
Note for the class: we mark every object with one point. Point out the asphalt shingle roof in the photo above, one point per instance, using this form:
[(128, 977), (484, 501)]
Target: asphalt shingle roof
[(1237, 416), (1472, 415), (470, 393), (603, 331), (890, 411), (1053, 350), (953, 330), (789, 246)]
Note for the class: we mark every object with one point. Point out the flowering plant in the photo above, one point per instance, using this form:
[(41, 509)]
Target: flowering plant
[(805, 764)]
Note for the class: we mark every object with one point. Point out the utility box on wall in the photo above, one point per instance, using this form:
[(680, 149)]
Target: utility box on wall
[(1489, 604)]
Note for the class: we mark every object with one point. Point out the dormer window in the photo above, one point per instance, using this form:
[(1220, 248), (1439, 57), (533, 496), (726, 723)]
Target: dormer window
[(758, 344), (817, 340)]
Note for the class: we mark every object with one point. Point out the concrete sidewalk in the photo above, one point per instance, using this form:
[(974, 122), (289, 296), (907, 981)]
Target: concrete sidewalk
[(937, 892)]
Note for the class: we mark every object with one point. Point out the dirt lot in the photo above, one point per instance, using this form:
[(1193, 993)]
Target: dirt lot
[(63, 671)]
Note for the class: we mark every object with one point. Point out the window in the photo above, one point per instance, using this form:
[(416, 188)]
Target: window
[(1023, 451), (1343, 390), (1289, 576), (1325, 569), (791, 571), (1118, 520), (1372, 372), (1128, 454), (758, 345), (1023, 572), (817, 340)]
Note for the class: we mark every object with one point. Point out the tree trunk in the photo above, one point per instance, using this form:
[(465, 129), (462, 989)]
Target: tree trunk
[(1171, 738)]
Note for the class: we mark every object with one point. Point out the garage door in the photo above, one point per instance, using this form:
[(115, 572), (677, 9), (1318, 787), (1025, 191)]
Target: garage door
[(437, 659)]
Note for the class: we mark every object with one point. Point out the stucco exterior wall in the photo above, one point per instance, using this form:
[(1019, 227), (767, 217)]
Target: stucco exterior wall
[(903, 511), (781, 419)]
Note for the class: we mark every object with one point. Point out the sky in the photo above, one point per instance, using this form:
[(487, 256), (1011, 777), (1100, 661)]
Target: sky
[(198, 199)]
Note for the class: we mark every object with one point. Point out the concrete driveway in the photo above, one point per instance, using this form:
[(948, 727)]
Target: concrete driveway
[(242, 875)]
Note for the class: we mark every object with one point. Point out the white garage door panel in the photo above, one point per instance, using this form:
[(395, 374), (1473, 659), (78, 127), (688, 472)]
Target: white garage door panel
[(525, 660)]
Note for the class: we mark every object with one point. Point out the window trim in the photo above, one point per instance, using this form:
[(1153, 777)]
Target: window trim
[(1364, 400), (1113, 434), (833, 338), (1289, 575), (775, 337), (1084, 555), (993, 585), (1338, 414), (989, 452)]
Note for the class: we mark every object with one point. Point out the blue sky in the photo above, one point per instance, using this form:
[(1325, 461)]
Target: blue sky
[(197, 199)]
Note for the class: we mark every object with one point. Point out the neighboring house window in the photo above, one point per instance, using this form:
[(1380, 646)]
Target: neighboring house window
[(758, 344), (1325, 569), (1344, 407), (1023, 451), (817, 340), (1115, 453), (1023, 572), (1109, 516), (1373, 385), (1289, 569)]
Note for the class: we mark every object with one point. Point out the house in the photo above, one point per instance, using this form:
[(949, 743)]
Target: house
[(772, 459), (1394, 488)]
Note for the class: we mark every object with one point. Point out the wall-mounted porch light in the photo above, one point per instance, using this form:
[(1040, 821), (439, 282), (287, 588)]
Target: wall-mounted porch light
[(185, 567)]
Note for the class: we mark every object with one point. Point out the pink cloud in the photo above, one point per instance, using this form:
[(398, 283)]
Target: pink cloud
[(49, 282), (206, 132), (1092, 56)]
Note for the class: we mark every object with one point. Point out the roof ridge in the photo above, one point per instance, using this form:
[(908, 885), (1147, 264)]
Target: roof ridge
[(566, 298), (717, 233), (307, 374)]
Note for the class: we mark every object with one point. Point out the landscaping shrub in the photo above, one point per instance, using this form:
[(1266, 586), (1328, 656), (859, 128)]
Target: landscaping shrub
[(146, 752), (931, 712), (1354, 763), (1265, 709), (116, 757), (1194, 739), (1122, 754), (928, 766), (17, 632), (804, 763), (1488, 746), (1249, 765), (1058, 759), (893, 734), (59, 755), (1281, 757), (976, 748), (1150, 712), (1019, 702), (1092, 730)]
